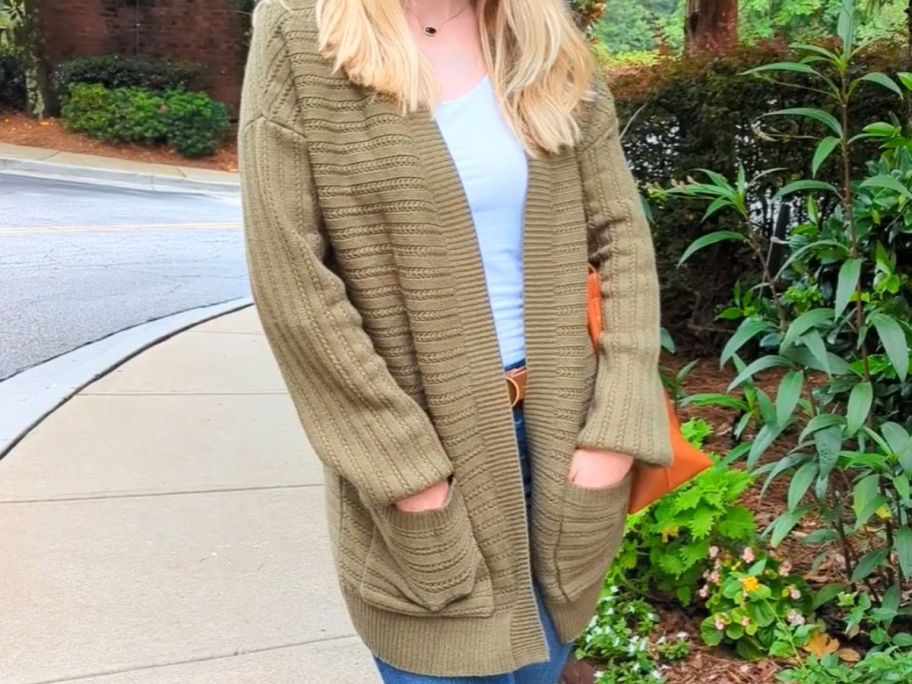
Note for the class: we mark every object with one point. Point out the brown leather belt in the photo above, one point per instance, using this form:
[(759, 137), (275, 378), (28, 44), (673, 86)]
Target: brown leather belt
[(516, 385)]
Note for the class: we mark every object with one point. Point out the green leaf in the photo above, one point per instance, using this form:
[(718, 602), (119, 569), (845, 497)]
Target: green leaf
[(836, 364), (761, 364), (824, 150), (811, 113), (849, 273), (788, 395), (764, 439), (786, 523), (827, 594), (863, 493), (802, 186), (779, 467), (711, 239), (800, 484), (886, 182), (905, 78), (829, 443), (868, 564), (737, 524), (686, 499), (860, 402), (711, 635), (815, 344), (902, 485), (701, 522), (717, 205), (671, 564), (830, 56), (903, 547), (695, 552), (902, 639), (804, 322), (894, 341), (900, 443), (820, 422), (883, 81), (749, 329), (796, 67), (845, 28)]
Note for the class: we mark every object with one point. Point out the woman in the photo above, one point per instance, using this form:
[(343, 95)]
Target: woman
[(424, 183)]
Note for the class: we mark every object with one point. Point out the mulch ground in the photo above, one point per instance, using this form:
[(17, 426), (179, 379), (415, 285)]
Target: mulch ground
[(18, 129)]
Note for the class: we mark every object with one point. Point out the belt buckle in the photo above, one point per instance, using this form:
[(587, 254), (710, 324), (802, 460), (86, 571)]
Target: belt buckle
[(512, 391)]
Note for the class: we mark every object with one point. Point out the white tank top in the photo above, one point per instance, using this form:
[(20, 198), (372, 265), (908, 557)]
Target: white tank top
[(494, 170)]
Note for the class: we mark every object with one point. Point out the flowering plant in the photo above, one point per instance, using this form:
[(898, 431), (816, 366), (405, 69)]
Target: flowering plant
[(756, 604), (621, 637)]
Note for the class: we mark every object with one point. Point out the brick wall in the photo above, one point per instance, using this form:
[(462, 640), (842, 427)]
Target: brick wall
[(207, 31)]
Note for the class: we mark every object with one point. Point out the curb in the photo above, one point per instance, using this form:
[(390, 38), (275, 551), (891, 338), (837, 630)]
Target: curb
[(122, 179), (30, 396)]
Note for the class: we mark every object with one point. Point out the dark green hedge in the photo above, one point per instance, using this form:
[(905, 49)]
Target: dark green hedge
[(191, 123), (114, 71), (681, 116)]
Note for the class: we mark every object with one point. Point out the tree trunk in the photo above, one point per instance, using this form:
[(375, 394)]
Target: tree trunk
[(711, 25), (26, 34)]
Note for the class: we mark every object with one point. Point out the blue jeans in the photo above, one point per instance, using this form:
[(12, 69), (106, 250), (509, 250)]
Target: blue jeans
[(538, 673)]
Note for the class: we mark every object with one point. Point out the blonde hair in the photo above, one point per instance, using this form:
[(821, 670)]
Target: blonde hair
[(539, 62)]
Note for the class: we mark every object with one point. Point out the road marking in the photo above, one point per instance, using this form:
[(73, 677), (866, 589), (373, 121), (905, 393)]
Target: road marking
[(126, 228)]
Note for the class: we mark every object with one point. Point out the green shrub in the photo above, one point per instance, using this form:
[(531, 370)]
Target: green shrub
[(669, 546), (757, 605), (195, 123), (89, 109), (832, 312), (12, 78), (114, 71), (893, 666), (682, 115), (620, 636), (191, 123)]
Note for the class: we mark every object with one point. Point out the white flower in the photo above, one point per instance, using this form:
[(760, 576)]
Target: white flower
[(682, 635)]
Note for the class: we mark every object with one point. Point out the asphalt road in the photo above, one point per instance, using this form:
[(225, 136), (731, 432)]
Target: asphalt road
[(80, 262)]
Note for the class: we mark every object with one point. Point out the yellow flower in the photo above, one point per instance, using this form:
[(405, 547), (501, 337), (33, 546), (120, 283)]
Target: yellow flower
[(670, 533), (750, 584)]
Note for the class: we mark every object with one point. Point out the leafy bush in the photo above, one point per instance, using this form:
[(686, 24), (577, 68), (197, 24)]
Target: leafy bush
[(114, 71), (682, 115), (757, 605), (831, 309), (12, 78), (884, 667), (195, 123), (620, 636), (669, 546), (191, 123)]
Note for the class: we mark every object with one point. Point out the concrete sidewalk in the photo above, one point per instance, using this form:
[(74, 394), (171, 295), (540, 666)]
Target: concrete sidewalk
[(113, 171), (166, 525)]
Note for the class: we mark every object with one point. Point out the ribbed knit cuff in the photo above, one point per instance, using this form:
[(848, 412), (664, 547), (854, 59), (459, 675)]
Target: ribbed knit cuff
[(628, 414)]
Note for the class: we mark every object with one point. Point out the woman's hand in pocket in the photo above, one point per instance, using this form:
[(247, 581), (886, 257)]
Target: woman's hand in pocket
[(431, 499), (592, 469)]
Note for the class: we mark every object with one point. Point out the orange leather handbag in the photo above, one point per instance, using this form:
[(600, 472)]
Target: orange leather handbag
[(651, 483)]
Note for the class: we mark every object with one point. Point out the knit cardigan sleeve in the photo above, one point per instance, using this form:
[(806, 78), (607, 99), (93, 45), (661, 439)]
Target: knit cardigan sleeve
[(627, 413), (359, 421)]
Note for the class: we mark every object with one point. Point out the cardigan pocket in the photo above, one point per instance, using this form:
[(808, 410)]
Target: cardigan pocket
[(427, 563), (591, 531)]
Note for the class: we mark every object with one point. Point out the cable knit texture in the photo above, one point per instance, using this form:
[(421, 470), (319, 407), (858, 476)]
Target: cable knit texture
[(367, 276)]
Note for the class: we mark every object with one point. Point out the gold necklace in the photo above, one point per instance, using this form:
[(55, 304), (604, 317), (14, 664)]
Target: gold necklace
[(432, 30)]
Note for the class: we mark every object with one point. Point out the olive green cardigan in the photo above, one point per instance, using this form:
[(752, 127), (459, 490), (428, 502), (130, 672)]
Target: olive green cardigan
[(367, 276)]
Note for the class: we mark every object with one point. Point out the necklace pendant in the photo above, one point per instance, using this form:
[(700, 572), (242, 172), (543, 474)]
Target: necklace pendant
[(430, 31)]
